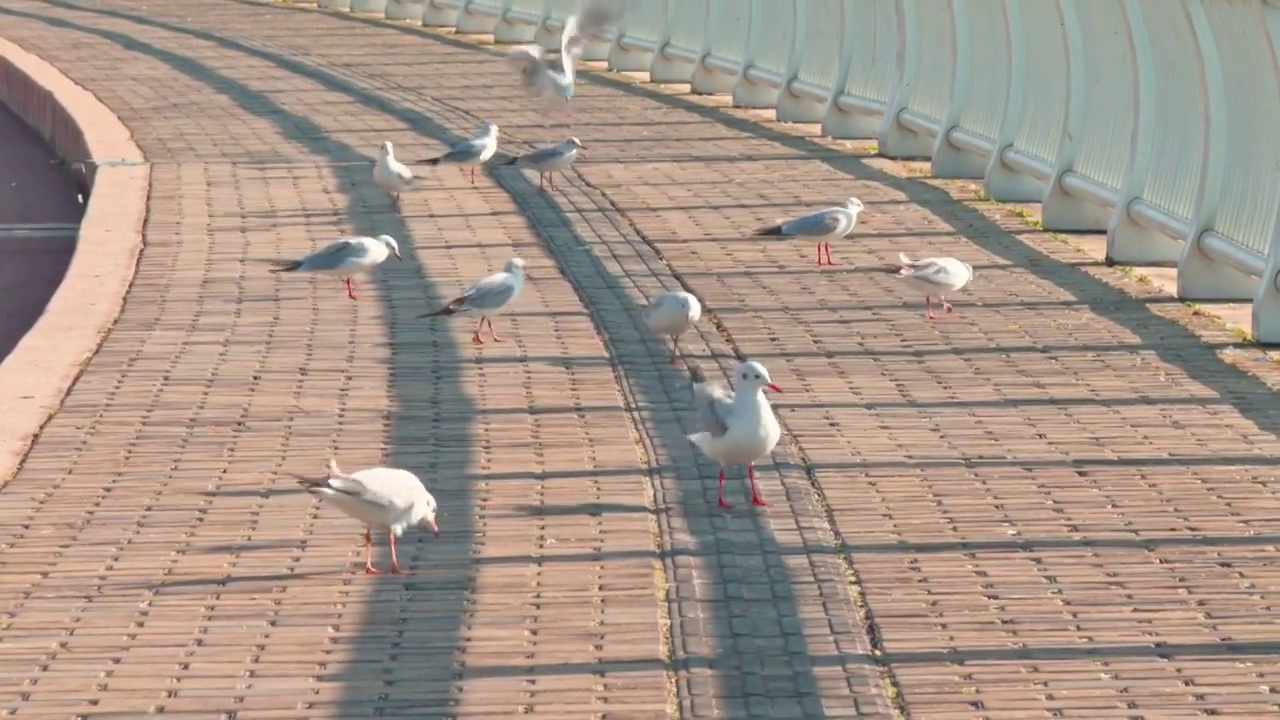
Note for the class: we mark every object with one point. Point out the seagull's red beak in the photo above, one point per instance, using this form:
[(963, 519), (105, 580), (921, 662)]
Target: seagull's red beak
[(398, 257), (774, 388), (434, 529)]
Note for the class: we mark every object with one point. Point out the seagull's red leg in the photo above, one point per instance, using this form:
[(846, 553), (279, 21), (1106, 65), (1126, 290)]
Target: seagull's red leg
[(827, 247), (475, 337), (473, 174), (720, 501), (540, 176), (395, 562), (946, 306), (675, 350), (351, 293), (819, 254), (928, 304), (551, 180), (369, 569), (755, 491), (493, 333)]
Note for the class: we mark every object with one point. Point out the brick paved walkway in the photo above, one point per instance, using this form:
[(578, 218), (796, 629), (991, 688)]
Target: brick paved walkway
[(1056, 503)]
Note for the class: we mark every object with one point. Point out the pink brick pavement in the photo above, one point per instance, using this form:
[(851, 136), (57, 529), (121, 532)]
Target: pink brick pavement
[(1056, 503)]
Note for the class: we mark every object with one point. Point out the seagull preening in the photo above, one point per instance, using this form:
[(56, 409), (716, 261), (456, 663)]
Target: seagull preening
[(345, 258), (473, 152), (821, 226), (390, 174), (738, 427), (389, 499), (487, 297), (549, 159), (939, 276), (673, 313)]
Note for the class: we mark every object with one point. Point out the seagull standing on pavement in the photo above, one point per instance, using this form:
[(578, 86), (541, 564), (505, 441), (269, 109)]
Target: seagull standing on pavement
[(939, 276), (738, 427), (386, 498), (821, 226), (473, 152), (672, 314), (345, 258), (487, 297), (390, 174), (550, 159)]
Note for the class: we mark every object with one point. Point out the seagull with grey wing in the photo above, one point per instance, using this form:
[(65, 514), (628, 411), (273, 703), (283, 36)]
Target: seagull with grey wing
[(390, 499), (548, 78), (550, 159), (672, 314), (487, 297), (345, 258), (739, 427), (939, 276), (390, 174), (821, 226), (472, 153)]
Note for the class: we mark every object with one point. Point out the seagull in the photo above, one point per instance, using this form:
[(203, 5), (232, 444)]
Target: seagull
[(738, 428), (539, 76), (390, 174), (345, 258), (381, 497), (673, 313), (549, 159), (487, 297), (939, 276), (473, 152), (542, 78), (823, 226)]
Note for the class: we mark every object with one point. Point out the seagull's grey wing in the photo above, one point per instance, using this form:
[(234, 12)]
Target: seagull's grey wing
[(333, 256), (819, 224), (931, 271), (715, 404), (490, 293), (389, 491), (465, 151), (542, 155), (531, 63)]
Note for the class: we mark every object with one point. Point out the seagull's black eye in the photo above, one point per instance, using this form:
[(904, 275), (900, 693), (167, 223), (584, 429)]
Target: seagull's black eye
[(757, 377), (744, 376)]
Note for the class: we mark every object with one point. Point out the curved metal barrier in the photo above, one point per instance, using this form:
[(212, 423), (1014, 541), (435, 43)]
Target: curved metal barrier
[(1152, 120)]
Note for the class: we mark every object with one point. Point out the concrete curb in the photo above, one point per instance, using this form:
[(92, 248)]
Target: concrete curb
[(40, 371)]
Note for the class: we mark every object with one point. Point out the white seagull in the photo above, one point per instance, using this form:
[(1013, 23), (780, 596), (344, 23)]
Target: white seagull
[(821, 226), (939, 276), (550, 159), (390, 174), (673, 313), (487, 297), (386, 498), (345, 258), (738, 427), (545, 78), (473, 152), (540, 77)]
